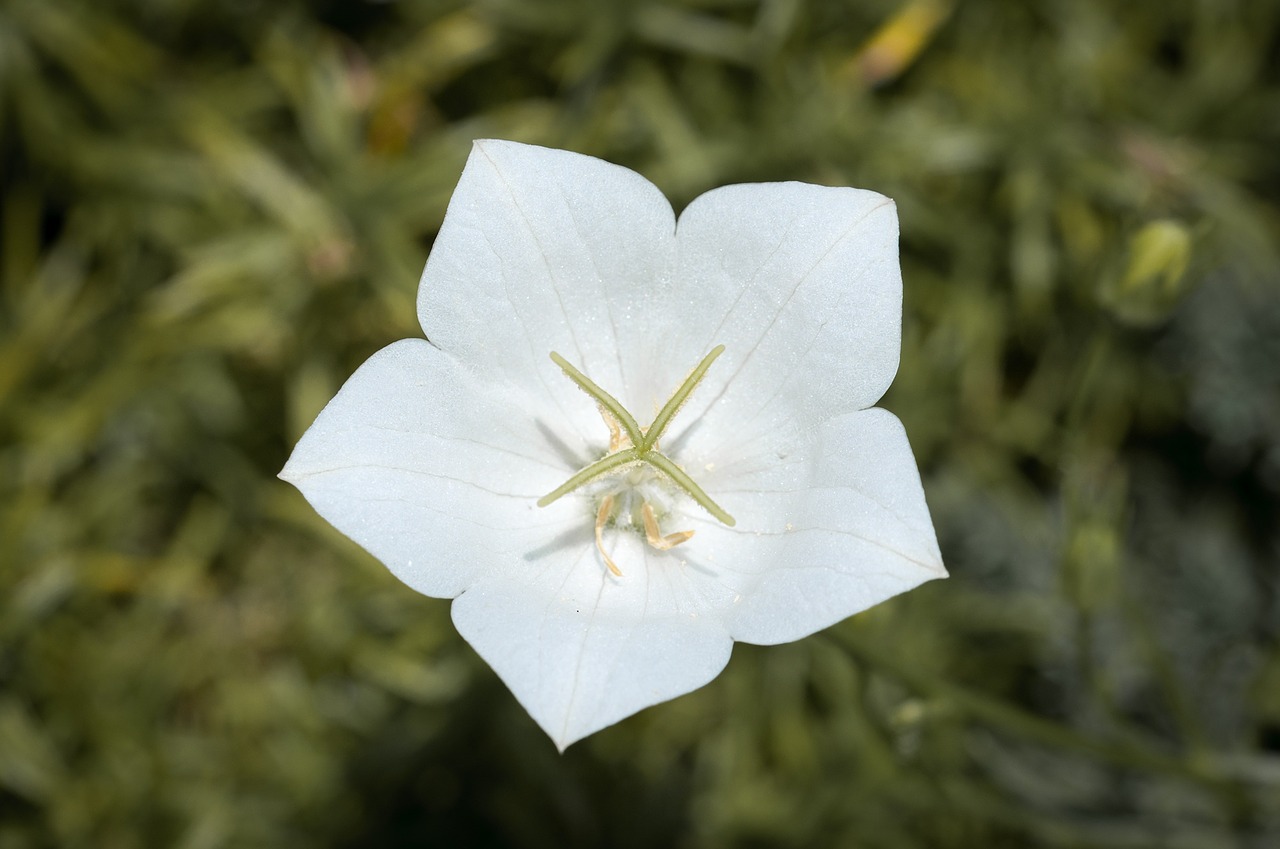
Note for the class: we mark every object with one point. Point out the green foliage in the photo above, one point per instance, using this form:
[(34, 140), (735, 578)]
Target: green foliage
[(213, 211)]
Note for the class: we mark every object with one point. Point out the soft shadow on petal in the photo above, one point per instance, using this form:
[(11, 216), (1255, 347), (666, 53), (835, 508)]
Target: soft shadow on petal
[(581, 649), (801, 284), (432, 474), (547, 250), (812, 548)]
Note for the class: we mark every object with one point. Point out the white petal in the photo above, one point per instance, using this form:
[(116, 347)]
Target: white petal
[(547, 250), (431, 473), (834, 526), (801, 284), (581, 649), (826, 530)]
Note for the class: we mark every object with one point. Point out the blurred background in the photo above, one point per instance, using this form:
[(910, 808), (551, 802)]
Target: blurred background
[(214, 210)]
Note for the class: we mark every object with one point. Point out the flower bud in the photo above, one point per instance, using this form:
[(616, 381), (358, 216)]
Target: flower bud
[(1152, 280)]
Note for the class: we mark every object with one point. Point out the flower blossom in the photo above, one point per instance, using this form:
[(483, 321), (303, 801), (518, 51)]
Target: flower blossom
[(628, 439)]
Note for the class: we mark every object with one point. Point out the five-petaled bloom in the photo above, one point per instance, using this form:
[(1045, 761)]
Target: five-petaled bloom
[(628, 440)]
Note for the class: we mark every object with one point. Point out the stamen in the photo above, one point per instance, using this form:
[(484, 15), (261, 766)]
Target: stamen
[(602, 516), (655, 537), (615, 430)]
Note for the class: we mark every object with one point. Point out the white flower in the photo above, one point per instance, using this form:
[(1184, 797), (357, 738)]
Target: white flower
[(775, 500)]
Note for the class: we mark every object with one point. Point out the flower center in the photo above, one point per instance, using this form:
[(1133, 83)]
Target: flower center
[(631, 446)]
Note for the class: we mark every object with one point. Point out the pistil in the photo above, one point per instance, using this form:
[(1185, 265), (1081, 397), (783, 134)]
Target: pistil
[(644, 441), (632, 445)]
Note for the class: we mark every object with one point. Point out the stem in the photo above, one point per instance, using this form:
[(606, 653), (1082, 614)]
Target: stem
[(1015, 720)]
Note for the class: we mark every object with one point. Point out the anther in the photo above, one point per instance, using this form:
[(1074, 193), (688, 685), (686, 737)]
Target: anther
[(616, 436), (654, 535), (602, 516)]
